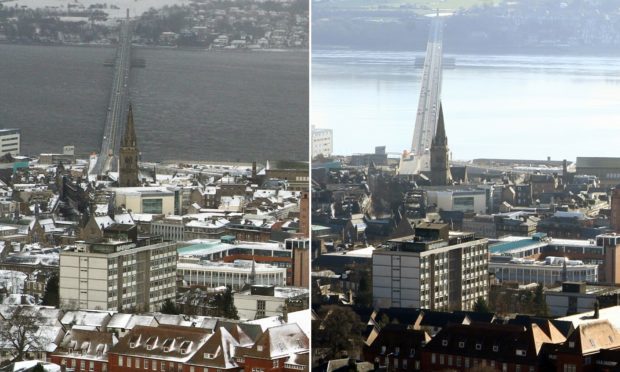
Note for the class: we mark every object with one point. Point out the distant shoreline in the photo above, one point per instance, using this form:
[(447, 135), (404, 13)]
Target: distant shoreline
[(154, 47), (557, 52)]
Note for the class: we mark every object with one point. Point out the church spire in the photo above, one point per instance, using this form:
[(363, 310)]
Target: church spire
[(129, 138), (440, 133)]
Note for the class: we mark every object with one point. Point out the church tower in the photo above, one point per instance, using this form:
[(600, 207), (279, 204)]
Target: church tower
[(128, 155), (440, 167)]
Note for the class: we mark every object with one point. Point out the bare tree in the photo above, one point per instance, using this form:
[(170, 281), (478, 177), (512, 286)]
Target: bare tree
[(19, 331)]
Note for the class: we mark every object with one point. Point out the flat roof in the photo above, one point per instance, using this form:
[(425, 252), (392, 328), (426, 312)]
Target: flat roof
[(210, 246)]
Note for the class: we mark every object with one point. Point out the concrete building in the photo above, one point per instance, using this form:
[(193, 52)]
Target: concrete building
[(117, 275), (606, 169), (10, 140), (435, 269), (149, 200), (578, 297), (236, 274), (548, 272), (463, 200), (601, 251), (322, 142), (265, 301)]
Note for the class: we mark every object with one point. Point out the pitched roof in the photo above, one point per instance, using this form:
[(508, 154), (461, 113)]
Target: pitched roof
[(278, 342), (490, 341), (218, 351), (164, 342), (591, 337)]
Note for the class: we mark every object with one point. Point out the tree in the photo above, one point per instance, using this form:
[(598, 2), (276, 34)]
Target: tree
[(539, 302), (481, 306), (340, 329), (19, 331), (51, 296), (169, 307), (364, 290), (229, 310)]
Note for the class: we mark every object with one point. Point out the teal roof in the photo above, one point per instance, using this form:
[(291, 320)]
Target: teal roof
[(517, 244)]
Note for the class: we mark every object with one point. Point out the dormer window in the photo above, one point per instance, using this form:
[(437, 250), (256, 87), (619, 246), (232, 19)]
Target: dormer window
[(166, 349), (495, 348), (185, 347), (462, 344), (521, 352), (478, 346), (444, 342), (209, 356), (259, 347), (382, 349)]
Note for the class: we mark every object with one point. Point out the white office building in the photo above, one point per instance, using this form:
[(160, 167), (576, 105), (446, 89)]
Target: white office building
[(322, 142), (10, 141), (117, 275), (438, 271), (548, 272), (193, 271)]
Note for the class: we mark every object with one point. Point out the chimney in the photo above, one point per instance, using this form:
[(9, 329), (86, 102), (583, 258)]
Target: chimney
[(596, 309)]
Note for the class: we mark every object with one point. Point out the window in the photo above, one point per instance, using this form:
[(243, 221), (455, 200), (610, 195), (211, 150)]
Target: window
[(570, 368), (162, 366), (82, 365), (153, 206), (495, 348), (91, 366), (442, 359), (504, 367), (154, 365), (104, 367), (404, 363), (128, 362), (146, 364), (137, 363), (461, 344), (444, 342), (120, 361), (276, 363)]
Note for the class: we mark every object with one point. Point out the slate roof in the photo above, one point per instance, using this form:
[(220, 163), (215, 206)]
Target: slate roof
[(278, 342), (167, 342)]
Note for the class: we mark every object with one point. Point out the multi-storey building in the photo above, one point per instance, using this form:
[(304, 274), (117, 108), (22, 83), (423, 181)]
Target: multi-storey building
[(550, 271), (602, 251), (322, 142), (435, 269), (117, 275), (10, 141), (236, 275)]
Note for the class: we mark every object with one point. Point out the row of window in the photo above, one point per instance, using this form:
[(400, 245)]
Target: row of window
[(458, 361)]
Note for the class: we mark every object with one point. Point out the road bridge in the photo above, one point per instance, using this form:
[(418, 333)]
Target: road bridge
[(117, 104), (428, 104)]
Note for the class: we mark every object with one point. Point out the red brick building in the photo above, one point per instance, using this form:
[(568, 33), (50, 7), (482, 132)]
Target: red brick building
[(279, 349), (503, 347), (84, 350)]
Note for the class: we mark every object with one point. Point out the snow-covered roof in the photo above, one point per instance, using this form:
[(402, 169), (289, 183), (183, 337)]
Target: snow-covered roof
[(86, 318)]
